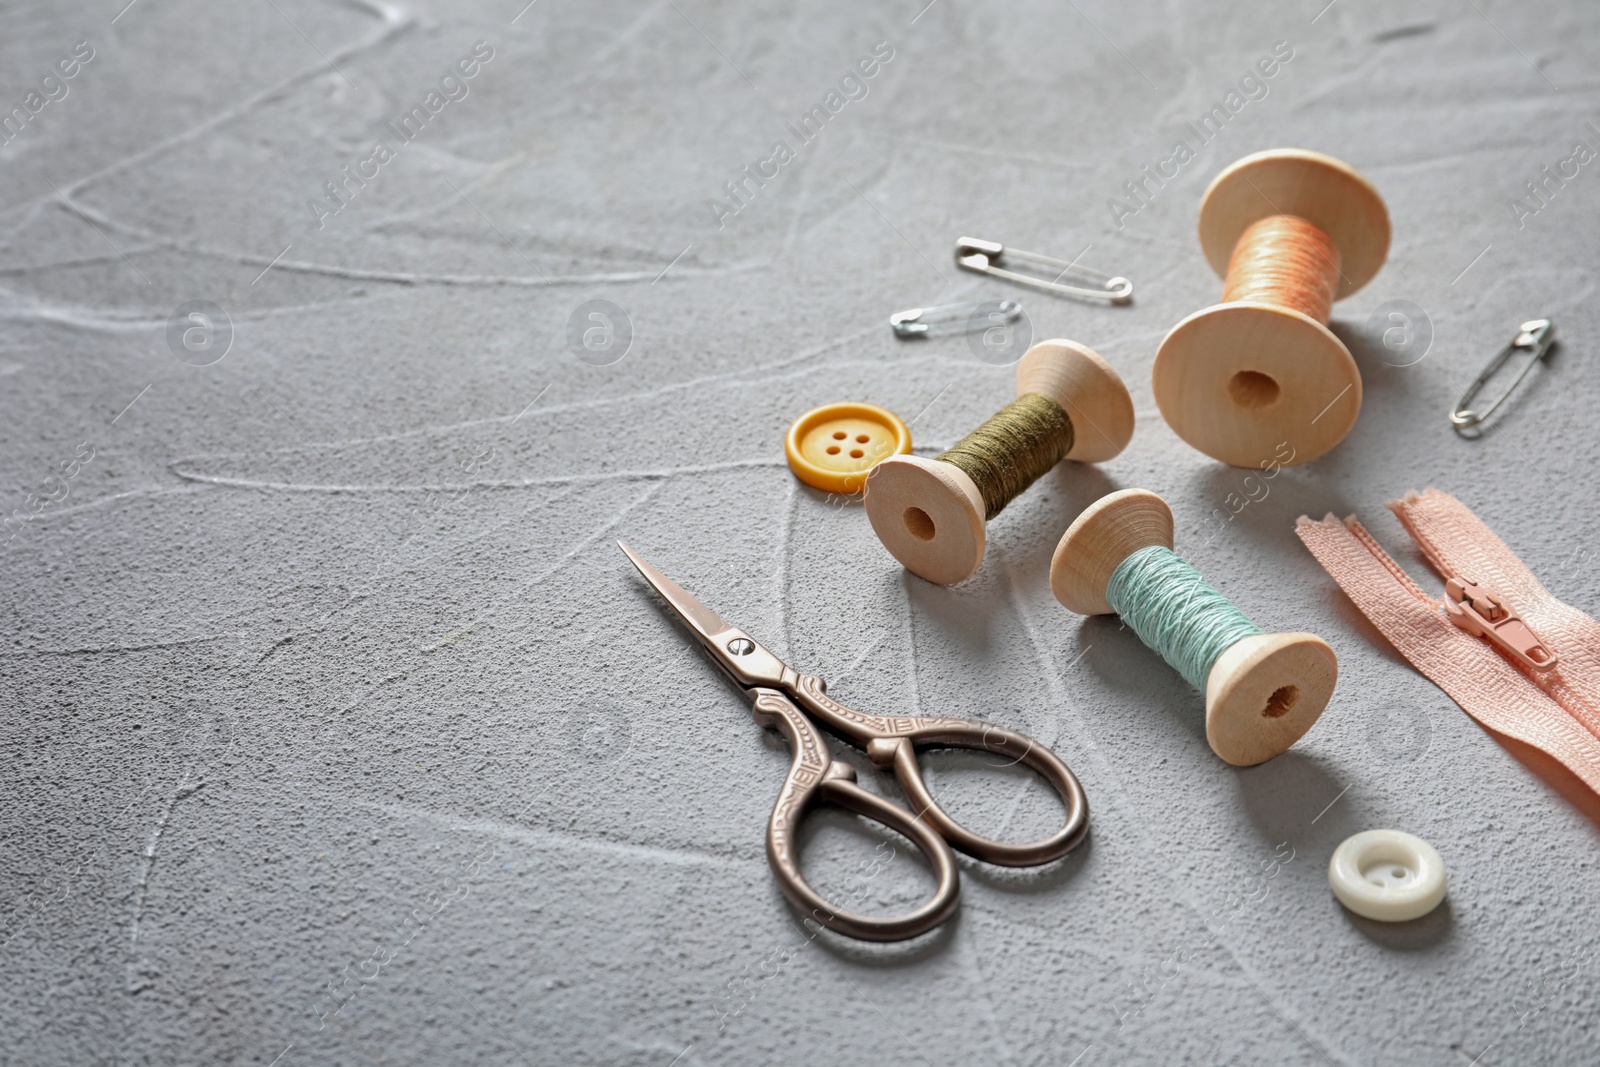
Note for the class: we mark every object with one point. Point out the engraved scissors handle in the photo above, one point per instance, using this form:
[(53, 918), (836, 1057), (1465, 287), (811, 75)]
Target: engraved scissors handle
[(891, 742), (815, 777)]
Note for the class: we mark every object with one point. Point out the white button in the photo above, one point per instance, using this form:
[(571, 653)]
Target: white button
[(1387, 875)]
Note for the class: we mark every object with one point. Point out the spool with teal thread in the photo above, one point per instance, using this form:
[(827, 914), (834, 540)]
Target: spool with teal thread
[(1263, 691), (1172, 609)]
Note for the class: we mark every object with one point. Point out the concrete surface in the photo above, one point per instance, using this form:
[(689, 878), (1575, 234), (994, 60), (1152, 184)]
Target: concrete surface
[(337, 730)]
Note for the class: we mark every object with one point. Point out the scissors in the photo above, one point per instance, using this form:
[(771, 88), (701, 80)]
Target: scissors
[(769, 683)]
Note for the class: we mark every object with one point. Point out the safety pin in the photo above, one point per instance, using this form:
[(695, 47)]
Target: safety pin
[(978, 255), (919, 322), (1537, 335)]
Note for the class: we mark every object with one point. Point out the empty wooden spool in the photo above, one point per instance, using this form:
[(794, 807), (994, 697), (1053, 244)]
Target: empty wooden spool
[(1262, 694), (1240, 378), (930, 515)]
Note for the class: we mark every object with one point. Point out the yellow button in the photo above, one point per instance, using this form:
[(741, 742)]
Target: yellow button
[(833, 447)]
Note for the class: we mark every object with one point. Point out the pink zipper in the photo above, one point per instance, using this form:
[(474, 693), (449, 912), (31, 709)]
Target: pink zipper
[(1516, 659)]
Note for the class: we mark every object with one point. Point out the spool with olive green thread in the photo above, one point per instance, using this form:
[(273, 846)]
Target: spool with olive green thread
[(930, 513), (1020, 443), (1263, 690)]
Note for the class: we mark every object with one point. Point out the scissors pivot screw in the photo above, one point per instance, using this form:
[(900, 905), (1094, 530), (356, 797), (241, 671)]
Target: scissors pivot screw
[(741, 646)]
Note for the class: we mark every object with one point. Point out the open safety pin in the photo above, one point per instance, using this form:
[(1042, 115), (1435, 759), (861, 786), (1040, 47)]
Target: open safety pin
[(919, 322), (981, 256), (1536, 336)]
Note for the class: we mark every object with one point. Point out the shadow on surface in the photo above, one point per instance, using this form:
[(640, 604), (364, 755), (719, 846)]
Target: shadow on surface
[(1414, 935), (963, 616), (1555, 776), (1265, 509), (935, 942), (1287, 794), (1039, 879), (1122, 662), (836, 500), (1065, 492)]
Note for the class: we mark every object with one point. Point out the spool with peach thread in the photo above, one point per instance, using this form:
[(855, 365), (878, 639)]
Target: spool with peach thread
[(1290, 231)]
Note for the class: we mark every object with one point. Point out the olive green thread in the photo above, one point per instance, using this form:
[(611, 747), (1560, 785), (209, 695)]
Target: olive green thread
[(1018, 444), (1174, 611)]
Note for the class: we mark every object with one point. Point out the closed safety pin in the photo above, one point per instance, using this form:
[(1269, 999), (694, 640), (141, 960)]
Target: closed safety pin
[(919, 322), (981, 256), (1536, 337)]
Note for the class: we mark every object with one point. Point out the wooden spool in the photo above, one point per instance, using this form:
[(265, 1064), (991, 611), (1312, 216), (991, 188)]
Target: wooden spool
[(930, 515), (1238, 379), (1262, 694)]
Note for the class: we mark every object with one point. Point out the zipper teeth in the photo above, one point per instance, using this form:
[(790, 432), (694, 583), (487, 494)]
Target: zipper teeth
[(1370, 543), (1551, 683), (1430, 550)]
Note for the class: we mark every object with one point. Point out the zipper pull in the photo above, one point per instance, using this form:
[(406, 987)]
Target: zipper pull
[(1480, 612)]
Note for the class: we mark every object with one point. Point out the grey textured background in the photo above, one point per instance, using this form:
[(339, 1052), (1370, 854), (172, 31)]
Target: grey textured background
[(337, 731)]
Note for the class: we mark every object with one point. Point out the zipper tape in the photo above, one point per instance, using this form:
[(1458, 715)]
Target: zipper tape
[(1457, 544), (1554, 708)]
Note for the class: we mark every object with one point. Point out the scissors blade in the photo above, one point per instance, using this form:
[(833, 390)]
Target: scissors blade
[(744, 658), (706, 622)]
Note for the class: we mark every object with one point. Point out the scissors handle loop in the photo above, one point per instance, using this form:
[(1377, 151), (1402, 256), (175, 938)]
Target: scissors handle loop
[(892, 742), (1018, 748), (814, 777)]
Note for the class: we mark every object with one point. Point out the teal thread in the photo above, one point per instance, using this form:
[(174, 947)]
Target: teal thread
[(1173, 610)]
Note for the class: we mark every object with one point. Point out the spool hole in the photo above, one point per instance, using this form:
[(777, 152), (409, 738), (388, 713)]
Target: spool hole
[(1282, 699), (1252, 389), (918, 524)]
